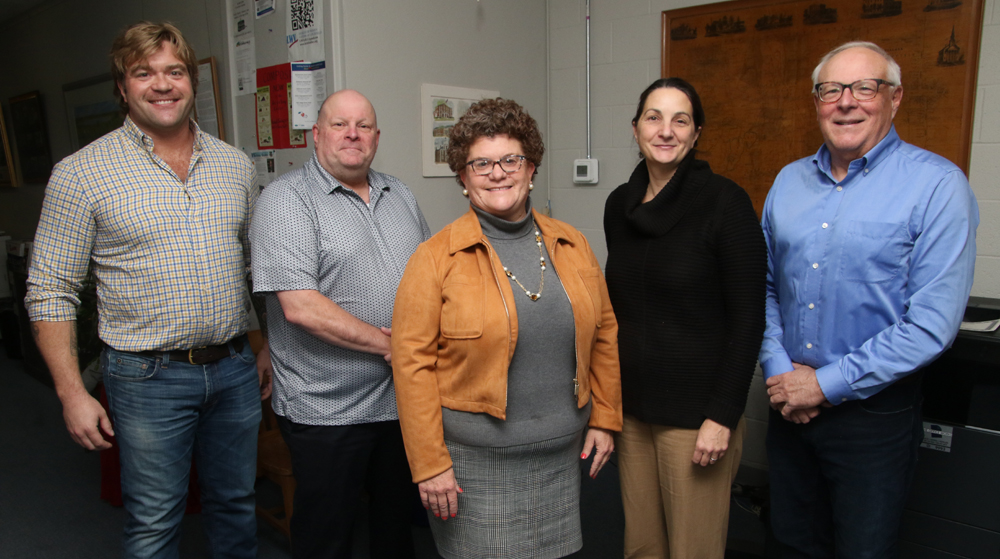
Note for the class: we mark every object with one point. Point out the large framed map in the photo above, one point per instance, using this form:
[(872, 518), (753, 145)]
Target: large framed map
[(751, 61)]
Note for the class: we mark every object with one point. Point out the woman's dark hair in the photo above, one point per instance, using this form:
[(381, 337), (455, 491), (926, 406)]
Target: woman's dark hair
[(680, 85), (490, 118)]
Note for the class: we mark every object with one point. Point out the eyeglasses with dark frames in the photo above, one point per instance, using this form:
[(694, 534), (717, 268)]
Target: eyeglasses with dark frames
[(510, 163), (862, 90)]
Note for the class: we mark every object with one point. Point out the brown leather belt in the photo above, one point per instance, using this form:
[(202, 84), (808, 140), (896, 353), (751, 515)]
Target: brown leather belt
[(200, 355)]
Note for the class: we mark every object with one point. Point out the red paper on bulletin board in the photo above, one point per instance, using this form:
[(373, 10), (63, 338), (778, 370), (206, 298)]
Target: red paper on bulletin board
[(274, 109)]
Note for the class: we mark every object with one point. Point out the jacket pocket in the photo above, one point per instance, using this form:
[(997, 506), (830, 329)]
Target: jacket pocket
[(592, 280), (463, 304)]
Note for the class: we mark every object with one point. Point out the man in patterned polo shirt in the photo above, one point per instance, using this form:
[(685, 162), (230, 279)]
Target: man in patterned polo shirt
[(161, 211), (330, 242)]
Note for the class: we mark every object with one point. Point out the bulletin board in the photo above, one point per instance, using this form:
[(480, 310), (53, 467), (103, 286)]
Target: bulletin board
[(271, 59), (751, 62)]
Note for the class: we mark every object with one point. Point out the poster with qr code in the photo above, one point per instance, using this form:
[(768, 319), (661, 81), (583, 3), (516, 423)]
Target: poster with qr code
[(304, 31)]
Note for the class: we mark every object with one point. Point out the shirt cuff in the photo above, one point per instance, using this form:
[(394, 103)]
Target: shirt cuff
[(833, 385), (776, 365)]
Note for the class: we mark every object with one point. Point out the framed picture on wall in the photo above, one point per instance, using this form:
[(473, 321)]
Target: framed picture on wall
[(7, 177), (91, 109), (31, 136), (207, 104), (751, 60), (440, 108)]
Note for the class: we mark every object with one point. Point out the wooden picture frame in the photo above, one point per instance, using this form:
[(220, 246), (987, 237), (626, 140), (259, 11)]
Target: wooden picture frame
[(7, 175), (751, 62), (208, 104), (91, 109), (31, 136)]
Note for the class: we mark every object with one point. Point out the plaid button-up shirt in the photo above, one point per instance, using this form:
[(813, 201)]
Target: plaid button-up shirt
[(170, 256)]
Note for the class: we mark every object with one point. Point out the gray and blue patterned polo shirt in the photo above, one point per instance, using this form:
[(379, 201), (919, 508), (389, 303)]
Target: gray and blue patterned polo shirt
[(311, 232)]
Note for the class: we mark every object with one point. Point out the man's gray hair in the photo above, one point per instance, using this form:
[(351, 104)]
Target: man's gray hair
[(892, 71)]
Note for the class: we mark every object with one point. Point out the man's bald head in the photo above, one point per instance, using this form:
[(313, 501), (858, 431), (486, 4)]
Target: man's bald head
[(346, 137), (347, 94)]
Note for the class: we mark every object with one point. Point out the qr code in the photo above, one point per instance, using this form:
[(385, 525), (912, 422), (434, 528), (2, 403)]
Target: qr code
[(303, 12)]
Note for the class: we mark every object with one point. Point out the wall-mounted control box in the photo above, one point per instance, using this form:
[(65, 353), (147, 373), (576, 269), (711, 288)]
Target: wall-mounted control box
[(585, 171)]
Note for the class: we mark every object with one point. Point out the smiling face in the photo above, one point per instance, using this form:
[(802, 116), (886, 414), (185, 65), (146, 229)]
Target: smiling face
[(851, 128), (346, 136), (665, 130), (499, 193), (159, 93)]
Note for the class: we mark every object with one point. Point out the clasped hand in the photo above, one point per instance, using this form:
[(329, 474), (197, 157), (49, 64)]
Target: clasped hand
[(797, 394)]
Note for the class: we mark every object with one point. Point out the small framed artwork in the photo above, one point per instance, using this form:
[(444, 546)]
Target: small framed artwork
[(31, 136), (440, 108), (207, 103), (91, 109), (7, 177)]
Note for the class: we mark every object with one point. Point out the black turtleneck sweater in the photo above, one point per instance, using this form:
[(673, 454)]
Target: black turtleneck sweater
[(686, 275)]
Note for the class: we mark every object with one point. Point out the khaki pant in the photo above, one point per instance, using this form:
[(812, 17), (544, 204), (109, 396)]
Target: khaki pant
[(674, 509)]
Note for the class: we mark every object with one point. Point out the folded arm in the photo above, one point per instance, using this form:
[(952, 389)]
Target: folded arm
[(315, 313)]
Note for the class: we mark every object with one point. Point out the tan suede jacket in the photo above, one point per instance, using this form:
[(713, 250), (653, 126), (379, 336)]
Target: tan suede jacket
[(454, 330)]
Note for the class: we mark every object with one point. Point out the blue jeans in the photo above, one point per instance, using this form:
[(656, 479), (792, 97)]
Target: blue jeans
[(839, 483), (163, 411)]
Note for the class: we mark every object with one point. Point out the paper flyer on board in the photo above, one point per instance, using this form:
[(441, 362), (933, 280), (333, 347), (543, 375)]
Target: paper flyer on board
[(264, 7), (304, 30), (308, 92), (264, 162), (274, 109), (245, 56)]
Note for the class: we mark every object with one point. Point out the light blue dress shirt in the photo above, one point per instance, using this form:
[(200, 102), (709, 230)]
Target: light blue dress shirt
[(868, 277)]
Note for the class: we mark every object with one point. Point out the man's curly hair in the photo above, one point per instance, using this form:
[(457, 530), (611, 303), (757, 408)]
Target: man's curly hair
[(490, 118)]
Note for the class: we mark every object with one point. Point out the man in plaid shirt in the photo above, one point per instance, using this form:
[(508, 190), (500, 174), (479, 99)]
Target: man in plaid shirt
[(161, 211)]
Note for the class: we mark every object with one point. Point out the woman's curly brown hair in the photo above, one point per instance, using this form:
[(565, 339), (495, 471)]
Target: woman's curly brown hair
[(490, 118)]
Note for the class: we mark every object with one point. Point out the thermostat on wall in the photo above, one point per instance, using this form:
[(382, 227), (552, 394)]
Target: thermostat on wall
[(585, 171)]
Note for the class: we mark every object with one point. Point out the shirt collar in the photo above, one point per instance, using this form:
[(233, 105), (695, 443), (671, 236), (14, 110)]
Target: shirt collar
[(868, 161), (141, 139), (329, 183)]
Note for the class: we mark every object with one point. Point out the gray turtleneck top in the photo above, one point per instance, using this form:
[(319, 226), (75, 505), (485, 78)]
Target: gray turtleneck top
[(540, 400)]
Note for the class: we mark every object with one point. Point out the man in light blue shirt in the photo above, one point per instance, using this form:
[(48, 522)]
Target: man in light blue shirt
[(871, 252)]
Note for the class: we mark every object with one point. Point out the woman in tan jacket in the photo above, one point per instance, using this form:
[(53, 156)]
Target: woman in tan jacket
[(505, 355)]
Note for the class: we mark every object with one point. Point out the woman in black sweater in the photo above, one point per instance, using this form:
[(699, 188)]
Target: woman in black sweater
[(686, 270)]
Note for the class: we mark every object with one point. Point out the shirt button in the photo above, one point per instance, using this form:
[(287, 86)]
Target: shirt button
[(809, 346), (843, 399), (812, 306), (866, 171), (825, 225), (815, 265), (839, 188)]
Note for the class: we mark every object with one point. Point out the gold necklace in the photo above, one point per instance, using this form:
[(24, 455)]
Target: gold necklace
[(541, 261)]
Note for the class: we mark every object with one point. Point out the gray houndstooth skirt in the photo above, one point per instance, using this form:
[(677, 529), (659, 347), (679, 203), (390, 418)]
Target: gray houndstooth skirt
[(517, 502)]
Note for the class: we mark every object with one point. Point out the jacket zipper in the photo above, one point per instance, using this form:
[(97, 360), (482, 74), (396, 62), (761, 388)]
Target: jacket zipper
[(576, 342), (496, 278)]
